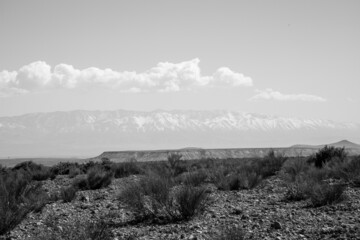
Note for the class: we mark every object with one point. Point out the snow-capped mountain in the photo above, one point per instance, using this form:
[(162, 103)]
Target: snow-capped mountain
[(76, 131)]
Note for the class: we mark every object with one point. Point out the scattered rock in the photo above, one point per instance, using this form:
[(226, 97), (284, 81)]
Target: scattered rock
[(275, 225)]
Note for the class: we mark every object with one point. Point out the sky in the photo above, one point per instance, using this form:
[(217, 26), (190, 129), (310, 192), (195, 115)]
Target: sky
[(287, 58)]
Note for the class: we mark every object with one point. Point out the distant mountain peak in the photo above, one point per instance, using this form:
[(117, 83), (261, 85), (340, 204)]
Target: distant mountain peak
[(343, 143)]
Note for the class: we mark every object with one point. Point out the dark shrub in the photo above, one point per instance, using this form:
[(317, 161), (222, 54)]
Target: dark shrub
[(159, 168), (81, 183), (177, 166), (125, 169), (195, 178), (133, 198), (190, 201), (326, 154), (243, 178), (36, 171), (18, 196), (348, 169), (2, 169), (68, 194), (78, 230), (323, 194), (155, 198), (299, 189), (67, 168), (98, 178), (317, 174), (293, 168), (269, 165), (74, 171)]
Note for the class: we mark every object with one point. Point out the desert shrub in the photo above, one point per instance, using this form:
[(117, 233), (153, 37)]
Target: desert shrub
[(231, 233), (177, 166), (89, 165), (250, 179), (74, 171), (149, 198), (190, 201), (269, 165), (195, 178), (324, 193), (125, 169), (155, 198), (18, 197), (299, 189), (77, 230), (68, 194), (318, 174), (159, 168), (36, 171), (65, 168), (81, 183), (293, 168), (133, 198), (356, 181), (348, 169), (98, 178), (2, 169), (242, 178), (326, 154)]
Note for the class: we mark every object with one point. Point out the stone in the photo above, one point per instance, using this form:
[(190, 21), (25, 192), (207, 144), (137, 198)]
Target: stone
[(275, 225)]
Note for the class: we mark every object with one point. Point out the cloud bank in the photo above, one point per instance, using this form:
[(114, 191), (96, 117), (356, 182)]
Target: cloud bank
[(164, 77), (270, 94)]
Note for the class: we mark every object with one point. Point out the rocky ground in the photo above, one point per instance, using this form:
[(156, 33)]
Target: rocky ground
[(261, 212)]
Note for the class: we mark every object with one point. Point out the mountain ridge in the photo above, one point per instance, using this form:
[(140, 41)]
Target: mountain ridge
[(82, 132)]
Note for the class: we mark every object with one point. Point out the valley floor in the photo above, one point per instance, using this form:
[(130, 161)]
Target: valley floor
[(261, 212)]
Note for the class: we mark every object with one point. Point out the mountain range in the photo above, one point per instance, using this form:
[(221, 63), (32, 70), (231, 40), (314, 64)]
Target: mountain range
[(88, 133)]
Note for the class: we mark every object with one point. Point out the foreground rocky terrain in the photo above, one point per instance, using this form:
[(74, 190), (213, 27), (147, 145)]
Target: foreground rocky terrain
[(262, 212)]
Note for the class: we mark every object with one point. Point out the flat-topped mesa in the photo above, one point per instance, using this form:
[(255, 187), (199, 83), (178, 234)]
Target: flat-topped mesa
[(194, 154)]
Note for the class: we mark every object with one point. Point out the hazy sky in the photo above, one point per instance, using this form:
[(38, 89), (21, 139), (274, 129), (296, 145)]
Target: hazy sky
[(290, 58)]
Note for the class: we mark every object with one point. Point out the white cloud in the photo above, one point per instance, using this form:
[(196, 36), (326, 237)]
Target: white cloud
[(224, 76), (270, 94), (164, 77)]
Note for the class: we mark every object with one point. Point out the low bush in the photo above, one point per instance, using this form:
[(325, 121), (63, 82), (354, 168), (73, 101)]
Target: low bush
[(35, 171), (195, 178), (80, 183), (96, 178), (66, 168), (269, 165), (324, 193), (74, 171), (326, 154), (299, 189), (190, 201), (243, 178), (78, 230), (348, 169), (125, 169), (177, 166), (68, 194), (156, 198), (18, 197), (292, 168), (133, 198)]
